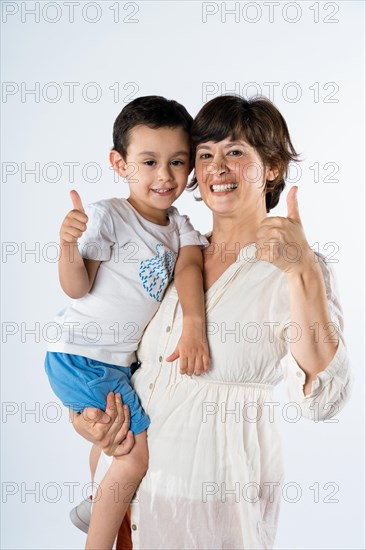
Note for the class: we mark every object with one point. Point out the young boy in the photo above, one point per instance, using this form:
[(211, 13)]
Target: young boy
[(117, 275)]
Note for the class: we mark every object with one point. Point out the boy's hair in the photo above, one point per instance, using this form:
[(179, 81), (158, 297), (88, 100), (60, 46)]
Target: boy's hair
[(257, 121), (152, 111)]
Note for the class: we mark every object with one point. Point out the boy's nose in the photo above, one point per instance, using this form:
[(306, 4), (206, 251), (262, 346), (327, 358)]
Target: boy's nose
[(164, 174)]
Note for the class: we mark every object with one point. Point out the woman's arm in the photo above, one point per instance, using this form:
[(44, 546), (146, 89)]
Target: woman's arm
[(313, 333), (282, 242), (110, 429)]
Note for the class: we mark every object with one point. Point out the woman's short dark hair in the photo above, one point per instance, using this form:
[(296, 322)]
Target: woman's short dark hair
[(152, 111), (257, 121)]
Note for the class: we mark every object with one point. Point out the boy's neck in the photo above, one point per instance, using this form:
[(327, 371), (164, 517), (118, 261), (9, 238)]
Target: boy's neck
[(160, 217)]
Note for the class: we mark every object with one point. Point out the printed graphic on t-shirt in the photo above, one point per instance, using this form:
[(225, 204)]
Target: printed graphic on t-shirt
[(156, 272)]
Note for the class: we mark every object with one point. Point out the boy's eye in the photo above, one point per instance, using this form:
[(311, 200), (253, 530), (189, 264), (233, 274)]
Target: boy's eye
[(150, 162), (177, 162)]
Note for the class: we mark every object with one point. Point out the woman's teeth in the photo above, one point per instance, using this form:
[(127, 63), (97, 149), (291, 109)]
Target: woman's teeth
[(223, 187)]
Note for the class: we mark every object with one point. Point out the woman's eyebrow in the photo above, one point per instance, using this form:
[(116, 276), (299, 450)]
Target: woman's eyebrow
[(232, 143)]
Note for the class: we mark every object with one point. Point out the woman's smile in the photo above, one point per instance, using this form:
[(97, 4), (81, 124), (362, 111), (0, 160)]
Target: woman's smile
[(223, 188)]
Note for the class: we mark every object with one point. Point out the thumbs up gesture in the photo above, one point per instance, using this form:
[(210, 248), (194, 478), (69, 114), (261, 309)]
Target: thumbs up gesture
[(282, 242), (75, 222)]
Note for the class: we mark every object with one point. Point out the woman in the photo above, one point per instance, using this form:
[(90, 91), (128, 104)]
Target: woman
[(215, 464)]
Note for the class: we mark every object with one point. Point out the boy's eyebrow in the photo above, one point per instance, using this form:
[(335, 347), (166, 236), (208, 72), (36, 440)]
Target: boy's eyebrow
[(154, 154)]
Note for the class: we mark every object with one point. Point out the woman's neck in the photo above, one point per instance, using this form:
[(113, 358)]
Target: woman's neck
[(236, 231)]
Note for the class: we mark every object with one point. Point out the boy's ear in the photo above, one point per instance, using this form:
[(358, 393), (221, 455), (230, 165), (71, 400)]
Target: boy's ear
[(118, 163)]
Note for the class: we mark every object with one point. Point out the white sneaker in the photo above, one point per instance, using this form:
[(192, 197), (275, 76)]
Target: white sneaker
[(81, 514)]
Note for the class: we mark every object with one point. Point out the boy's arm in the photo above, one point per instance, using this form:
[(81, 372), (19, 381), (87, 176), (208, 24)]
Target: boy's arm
[(192, 348), (76, 274)]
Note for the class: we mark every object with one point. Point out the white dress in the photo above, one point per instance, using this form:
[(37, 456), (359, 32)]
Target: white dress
[(215, 460)]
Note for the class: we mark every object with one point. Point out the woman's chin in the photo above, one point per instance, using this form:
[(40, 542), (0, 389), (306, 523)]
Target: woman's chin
[(223, 204)]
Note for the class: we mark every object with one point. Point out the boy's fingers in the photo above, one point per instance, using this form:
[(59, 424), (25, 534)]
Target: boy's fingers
[(74, 222), (173, 357), (66, 237), (198, 368), (191, 365), (206, 363), (76, 201), (183, 365), (75, 233)]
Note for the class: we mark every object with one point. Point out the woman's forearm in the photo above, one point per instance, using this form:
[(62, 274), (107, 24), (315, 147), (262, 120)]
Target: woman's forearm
[(312, 334)]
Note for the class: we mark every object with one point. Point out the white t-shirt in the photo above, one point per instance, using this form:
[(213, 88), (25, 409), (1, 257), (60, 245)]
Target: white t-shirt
[(137, 262)]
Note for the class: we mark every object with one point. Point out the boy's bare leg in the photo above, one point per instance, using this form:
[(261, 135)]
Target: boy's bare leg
[(93, 459), (115, 494)]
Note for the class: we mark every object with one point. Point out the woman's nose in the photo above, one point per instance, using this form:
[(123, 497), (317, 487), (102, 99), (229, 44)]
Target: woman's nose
[(220, 165)]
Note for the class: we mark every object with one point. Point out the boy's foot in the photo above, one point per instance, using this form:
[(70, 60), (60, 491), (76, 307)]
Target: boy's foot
[(81, 514)]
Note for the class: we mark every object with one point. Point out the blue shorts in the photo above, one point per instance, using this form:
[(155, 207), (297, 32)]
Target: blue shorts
[(80, 382)]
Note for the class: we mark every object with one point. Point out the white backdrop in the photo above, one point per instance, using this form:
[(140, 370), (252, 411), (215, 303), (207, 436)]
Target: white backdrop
[(67, 70)]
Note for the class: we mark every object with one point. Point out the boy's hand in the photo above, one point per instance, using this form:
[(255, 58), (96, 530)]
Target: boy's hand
[(192, 350), (75, 222)]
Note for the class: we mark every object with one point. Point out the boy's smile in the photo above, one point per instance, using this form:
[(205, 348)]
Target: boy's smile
[(157, 168)]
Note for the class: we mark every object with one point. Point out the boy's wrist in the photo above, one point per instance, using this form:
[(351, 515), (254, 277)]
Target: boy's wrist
[(193, 320), (69, 251), (65, 243)]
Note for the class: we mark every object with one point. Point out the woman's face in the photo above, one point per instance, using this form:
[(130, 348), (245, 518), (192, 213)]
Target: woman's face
[(231, 176)]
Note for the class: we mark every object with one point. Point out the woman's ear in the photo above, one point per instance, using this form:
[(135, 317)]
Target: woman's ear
[(118, 163), (271, 174)]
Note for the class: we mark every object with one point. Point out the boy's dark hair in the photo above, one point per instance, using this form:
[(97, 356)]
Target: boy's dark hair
[(153, 111), (257, 121)]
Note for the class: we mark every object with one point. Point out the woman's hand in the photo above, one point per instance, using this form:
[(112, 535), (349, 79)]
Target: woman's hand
[(282, 242), (110, 429)]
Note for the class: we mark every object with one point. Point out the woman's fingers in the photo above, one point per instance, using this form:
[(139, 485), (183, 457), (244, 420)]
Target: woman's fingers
[(122, 419), (111, 406), (95, 416), (118, 441), (125, 447)]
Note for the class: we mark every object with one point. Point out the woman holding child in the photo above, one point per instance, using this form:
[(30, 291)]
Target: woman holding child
[(272, 313)]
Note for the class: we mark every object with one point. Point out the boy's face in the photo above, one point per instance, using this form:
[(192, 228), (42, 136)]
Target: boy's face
[(157, 168)]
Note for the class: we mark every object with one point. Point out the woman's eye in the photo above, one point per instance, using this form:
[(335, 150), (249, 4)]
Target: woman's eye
[(205, 156), (235, 153), (150, 162)]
